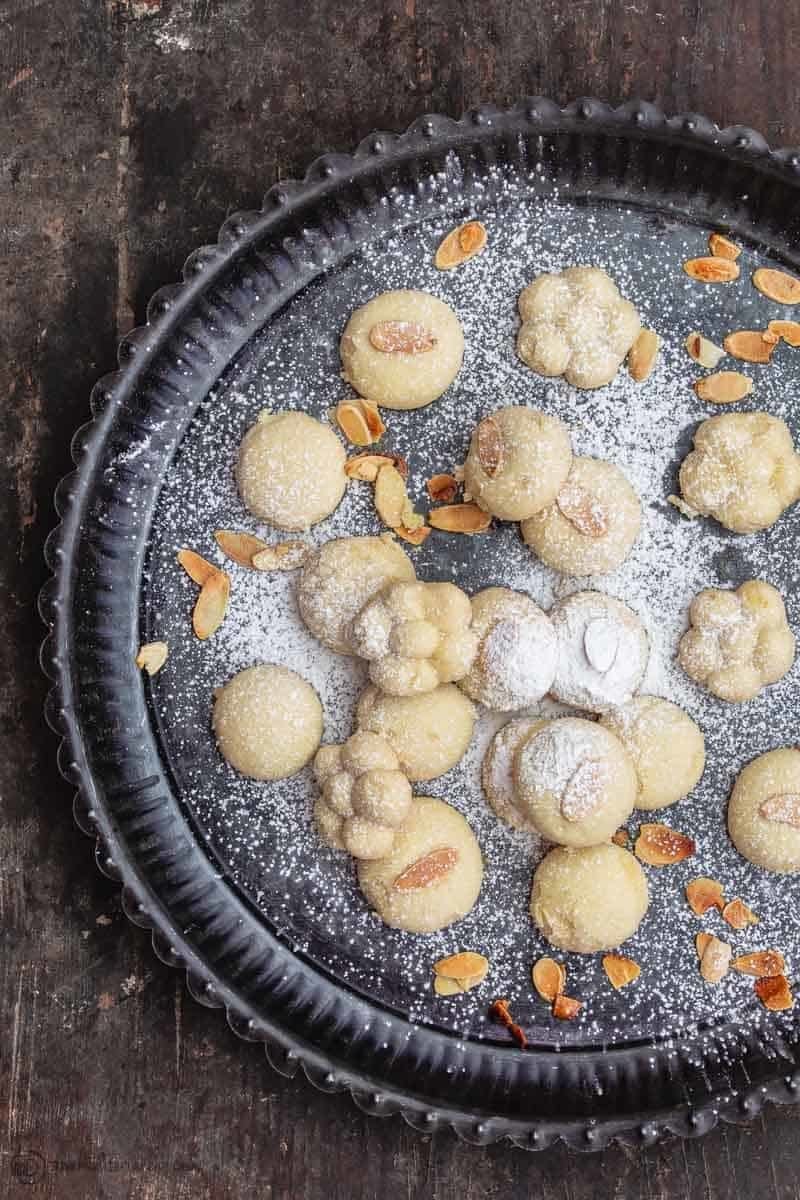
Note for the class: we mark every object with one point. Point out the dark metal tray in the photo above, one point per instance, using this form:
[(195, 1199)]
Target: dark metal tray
[(198, 853)]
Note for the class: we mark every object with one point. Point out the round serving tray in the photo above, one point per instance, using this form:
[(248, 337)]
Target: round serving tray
[(136, 792)]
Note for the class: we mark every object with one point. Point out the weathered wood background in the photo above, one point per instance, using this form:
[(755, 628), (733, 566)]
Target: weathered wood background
[(128, 130)]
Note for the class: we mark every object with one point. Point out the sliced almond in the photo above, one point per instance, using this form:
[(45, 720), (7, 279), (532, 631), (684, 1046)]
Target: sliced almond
[(701, 942), (659, 846), (401, 337), (643, 354), (584, 789), (196, 567), (622, 838), (722, 247), (462, 966), (715, 960), (738, 915), (774, 993), (414, 536), (442, 488), (601, 644), (490, 447), (565, 1008), (373, 418), (549, 978), (391, 497), (760, 963), (283, 556), (447, 987), (703, 893), (460, 518), (783, 808), (431, 869), (704, 352), (712, 270), (726, 387), (152, 656), (212, 604), (240, 547), (751, 345), (777, 285), (585, 512), (620, 970), (351, 417), (787, 331), (460, 244), (366, 466)]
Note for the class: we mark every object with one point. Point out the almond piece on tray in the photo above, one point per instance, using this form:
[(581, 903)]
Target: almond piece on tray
[(738, 915), (460, 518), (238, 546), (777, 285), (774, 993), (712, 270), (442, 488), (659, 846), (715, 959), (565, 1008), (459, 972), (703, 351), (643, 354), (787, 331), (620, 970), (211, 605), (366, 466), (460, 245), (751, 345), (722, 247), (760, 963), (703, 893), (282, 556), (549, 978), (152, 656)]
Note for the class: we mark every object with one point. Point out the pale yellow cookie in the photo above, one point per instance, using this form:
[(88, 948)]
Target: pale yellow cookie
[(429, 732), (517, 462), (497, 771), (588, 899), (402, 349), (666, 746), (432, 877), (764, 811), (290, 470), (603, 650), (365, 796), (515, 663), (267, 721)]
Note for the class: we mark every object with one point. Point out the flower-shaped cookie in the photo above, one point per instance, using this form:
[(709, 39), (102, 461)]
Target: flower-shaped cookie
[(738, 642), (415, 636), (365, 796), (743, 471), (576, 324)]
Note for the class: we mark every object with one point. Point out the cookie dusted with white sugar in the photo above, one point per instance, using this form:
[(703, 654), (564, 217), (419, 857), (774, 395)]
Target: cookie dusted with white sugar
[(764, 811), (667, 748), (290, 470), (497, 771), (515, 663), (267, 721), (603, 650)]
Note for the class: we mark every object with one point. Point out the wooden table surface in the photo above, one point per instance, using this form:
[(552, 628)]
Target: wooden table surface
[(128, 130)]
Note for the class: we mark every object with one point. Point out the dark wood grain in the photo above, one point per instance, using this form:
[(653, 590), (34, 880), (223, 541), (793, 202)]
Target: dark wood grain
[(128, 130)]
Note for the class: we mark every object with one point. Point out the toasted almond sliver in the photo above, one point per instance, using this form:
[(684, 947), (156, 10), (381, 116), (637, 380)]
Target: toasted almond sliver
[(722, 247), (196, 567), (240, 547), (787, 331), (283, 556), (351, 419), (391, 497), (152, 656), (621, 838), (366, 466), (703, 893), (777, 285), (549, 978), (726, 387), (701, 943), (643, 354), (782, 808), (584, 511), (401, 337), (373, 418), (491, 450), (738, 915), (760, 963), (427, 871), (751, 345), (704, 352), (460, 244), (659, 846), (583, 790), (774, 993), (716, 960), (442, 488), (712, 270), (447, 987), (565, 1008), (462, 966), (414, 536), (620, 970), (460, 518), (212, 603)]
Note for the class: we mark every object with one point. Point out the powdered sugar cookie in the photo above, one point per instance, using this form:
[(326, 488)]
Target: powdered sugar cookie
[(665, 744), (602, 651), (592, 524), (402, 349), (365, 796), (497, 771), (267, 721), (429, 732), (764, 811), (432, 876), (574, 782), (340, 577), (290, 470), (517, 462), (516, 659), (590, 898)]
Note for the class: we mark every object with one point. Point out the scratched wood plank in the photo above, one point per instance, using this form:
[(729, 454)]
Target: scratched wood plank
[(128, 130)]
